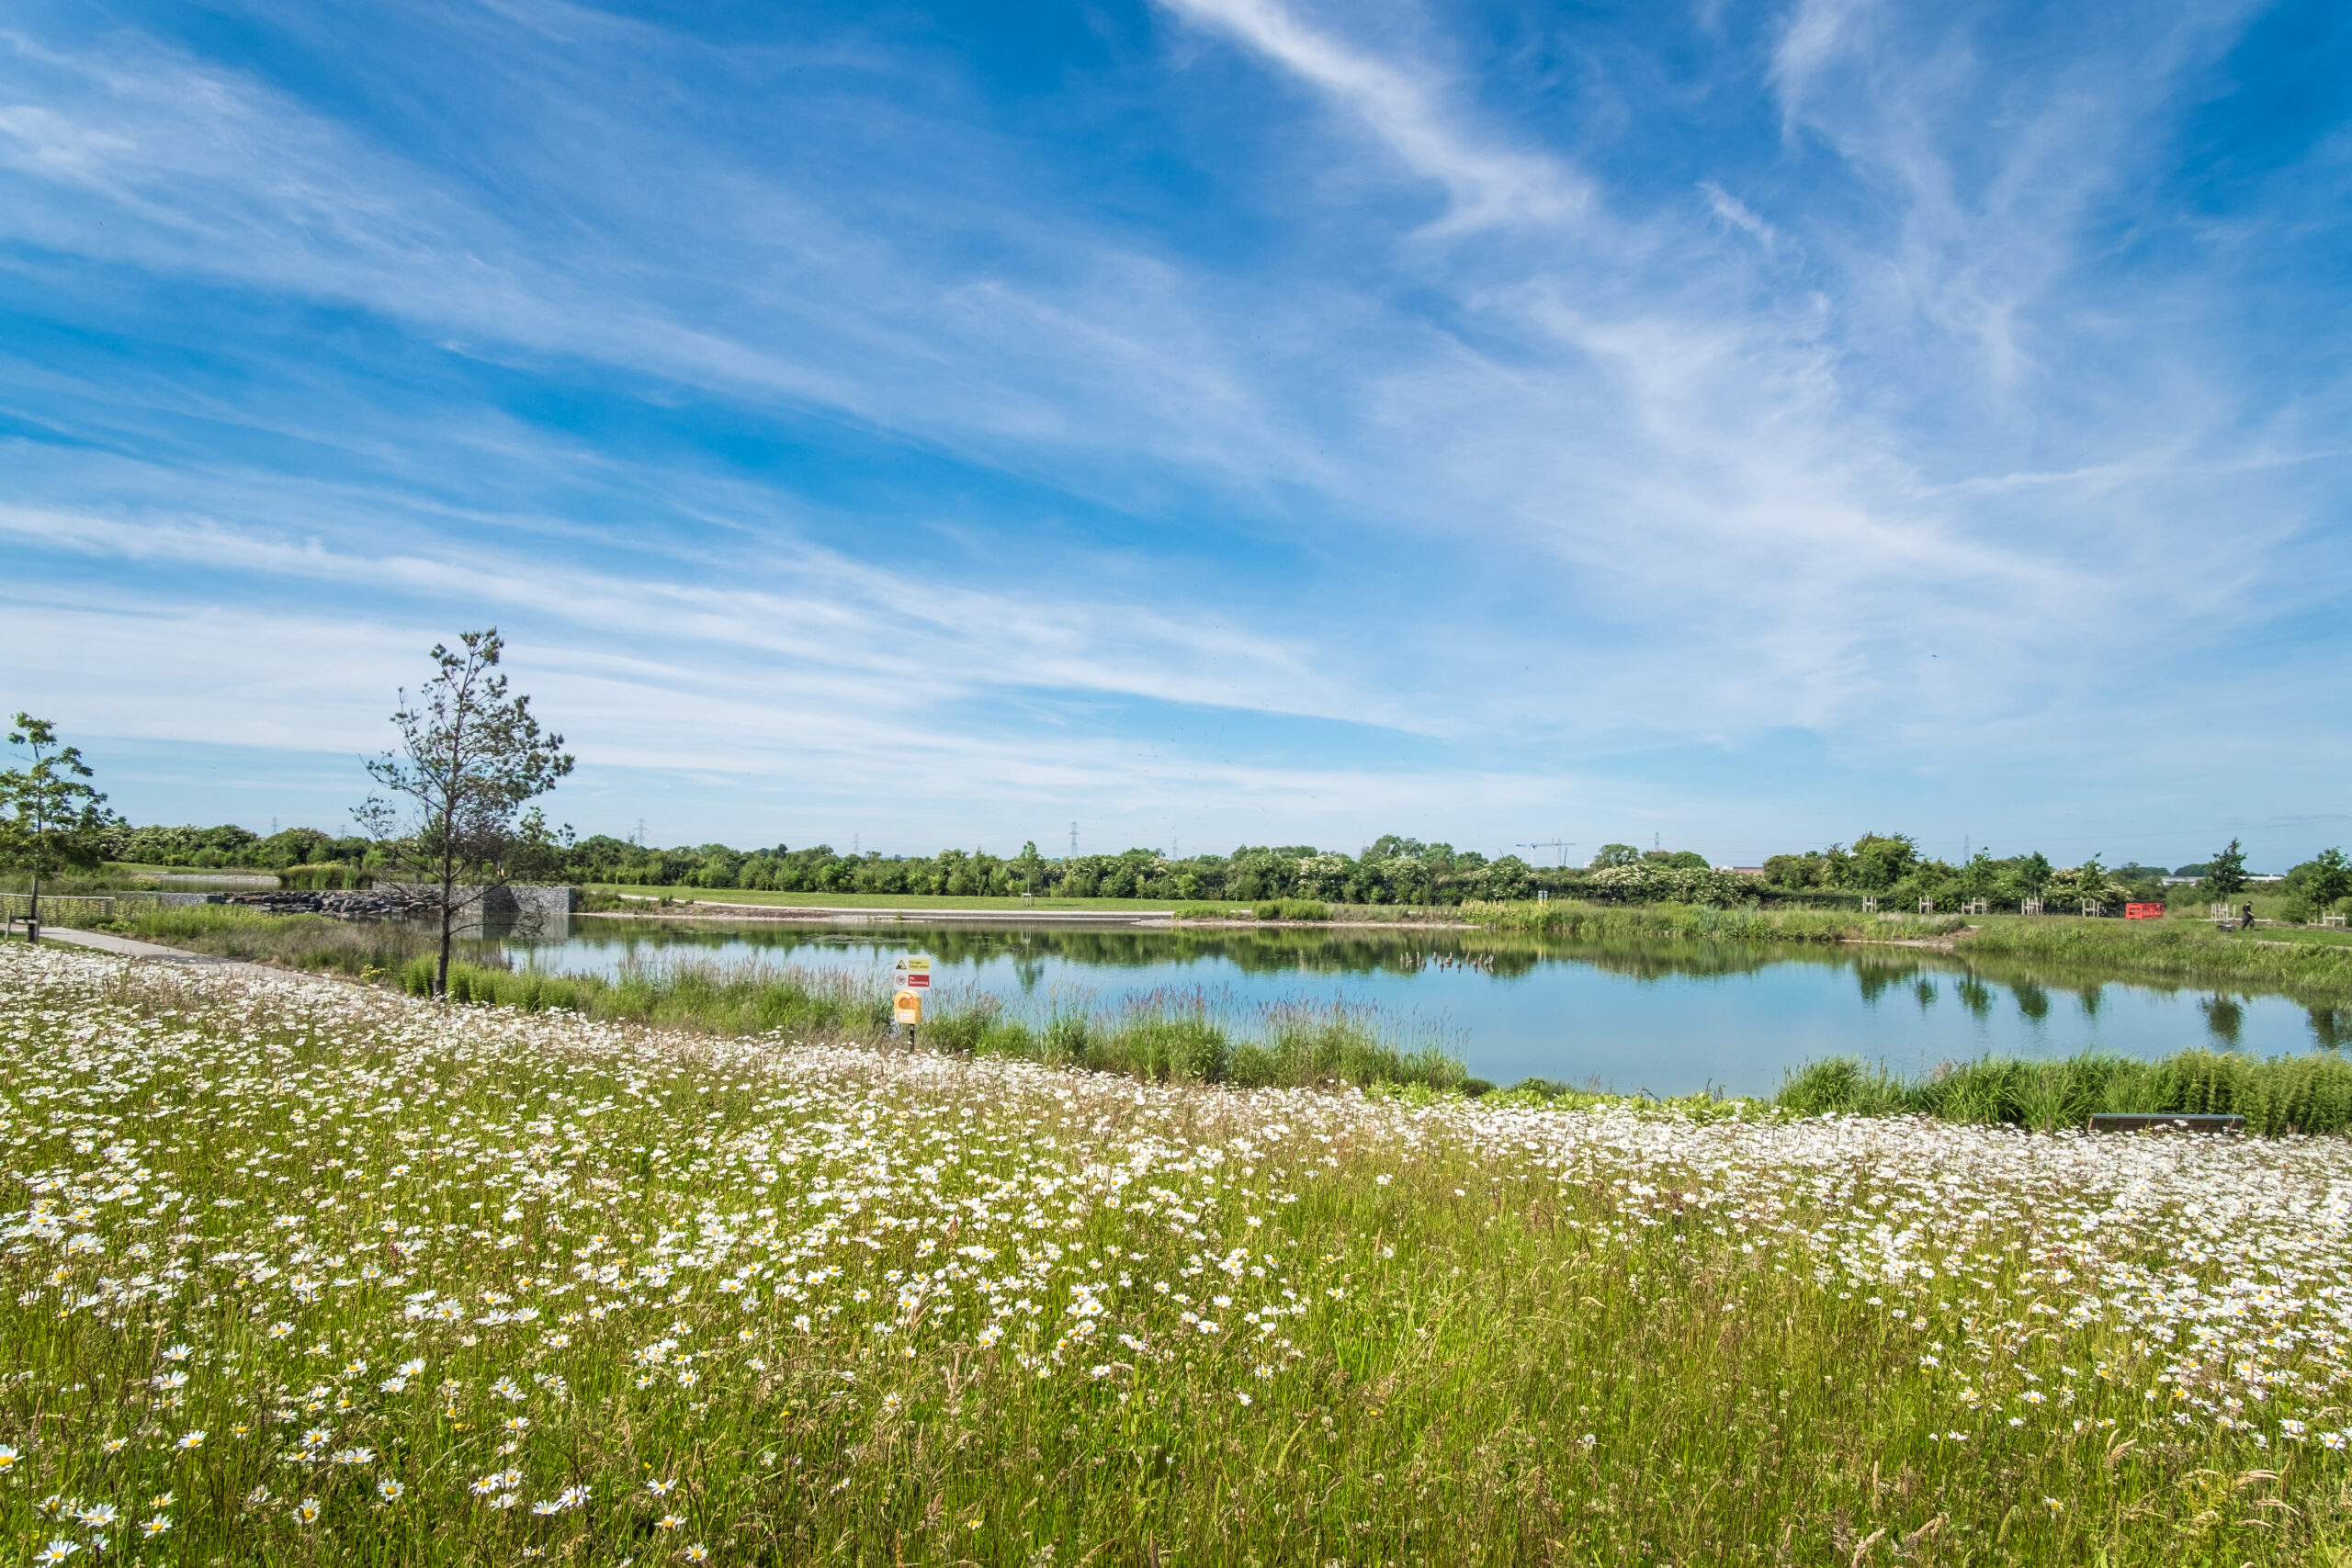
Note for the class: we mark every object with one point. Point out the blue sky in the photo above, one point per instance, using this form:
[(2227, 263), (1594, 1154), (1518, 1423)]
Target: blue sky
[(1207, 421)]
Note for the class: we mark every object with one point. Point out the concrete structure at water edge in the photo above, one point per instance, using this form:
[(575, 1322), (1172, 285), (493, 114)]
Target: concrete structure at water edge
[(502, 909)]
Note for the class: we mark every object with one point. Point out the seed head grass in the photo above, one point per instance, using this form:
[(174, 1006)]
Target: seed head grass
[(298, 1270)]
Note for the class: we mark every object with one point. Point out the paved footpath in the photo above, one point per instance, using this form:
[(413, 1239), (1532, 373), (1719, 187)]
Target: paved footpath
[(122, 946)]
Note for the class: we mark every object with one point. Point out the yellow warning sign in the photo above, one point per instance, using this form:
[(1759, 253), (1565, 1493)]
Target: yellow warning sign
[(906, 1008)]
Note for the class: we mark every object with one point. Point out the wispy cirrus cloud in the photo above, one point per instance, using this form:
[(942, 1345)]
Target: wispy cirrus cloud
[(1488, 180)]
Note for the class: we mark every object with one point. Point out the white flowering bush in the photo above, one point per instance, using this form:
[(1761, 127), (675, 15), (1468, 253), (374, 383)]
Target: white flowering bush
[(1675, 884), (301, 1270)]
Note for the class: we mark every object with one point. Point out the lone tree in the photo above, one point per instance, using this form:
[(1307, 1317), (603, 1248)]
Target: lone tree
[(2327, 878), (54, 819), (471, 758), (2227, 879)]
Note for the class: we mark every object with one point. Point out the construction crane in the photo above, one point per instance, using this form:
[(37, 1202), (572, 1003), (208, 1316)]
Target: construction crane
[(1559, 848)]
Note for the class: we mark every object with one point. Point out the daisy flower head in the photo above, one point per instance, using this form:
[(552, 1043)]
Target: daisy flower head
[(155, 1526), (193, 1440), (389, 1490)]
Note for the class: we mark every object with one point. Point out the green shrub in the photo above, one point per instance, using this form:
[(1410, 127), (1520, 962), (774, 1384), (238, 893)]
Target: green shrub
[(325, 877), (1213, 912), (1293, 909)]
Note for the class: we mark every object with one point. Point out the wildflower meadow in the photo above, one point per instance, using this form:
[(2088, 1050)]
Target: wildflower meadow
[(304, 1270)]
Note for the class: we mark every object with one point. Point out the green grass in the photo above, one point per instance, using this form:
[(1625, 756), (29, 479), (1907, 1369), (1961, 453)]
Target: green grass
[(298, 942), (318, 1276), (2315, 936), (2190, 952), (2281, 1097), (1694, 922), (937, 903)]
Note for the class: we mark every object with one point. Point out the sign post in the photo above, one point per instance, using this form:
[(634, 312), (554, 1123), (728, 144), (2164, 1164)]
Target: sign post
[(910, 980)]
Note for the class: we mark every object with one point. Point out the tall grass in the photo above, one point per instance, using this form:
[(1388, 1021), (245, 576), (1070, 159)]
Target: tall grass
[(325, 876), (298, 942), (1166, 1037), (2282, 1096), (706, 997), (1689, 922), (2172, 949), (1176, 1037), (1263, 909)]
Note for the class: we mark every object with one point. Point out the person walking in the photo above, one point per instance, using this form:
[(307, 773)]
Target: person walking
[(2246, 920)]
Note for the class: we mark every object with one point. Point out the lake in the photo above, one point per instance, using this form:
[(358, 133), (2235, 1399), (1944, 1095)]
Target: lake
[(1666, 1019)]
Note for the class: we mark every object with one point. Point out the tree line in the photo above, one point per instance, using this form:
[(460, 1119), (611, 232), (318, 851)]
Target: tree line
[(1393, 870)]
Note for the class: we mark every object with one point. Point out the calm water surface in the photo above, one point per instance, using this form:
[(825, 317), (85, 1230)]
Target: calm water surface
[(1669, 1019)]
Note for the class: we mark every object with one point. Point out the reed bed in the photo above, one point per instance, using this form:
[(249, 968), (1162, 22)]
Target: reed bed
[(1702, 922), (2284, 1096), (306, 1273)]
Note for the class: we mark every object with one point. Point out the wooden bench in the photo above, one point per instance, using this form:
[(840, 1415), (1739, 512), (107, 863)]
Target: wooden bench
[(2164, 1122)]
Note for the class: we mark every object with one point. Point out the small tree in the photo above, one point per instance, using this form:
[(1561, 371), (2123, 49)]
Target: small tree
[(2327, 877), (54, 819), (471, 758), (2227, 877)]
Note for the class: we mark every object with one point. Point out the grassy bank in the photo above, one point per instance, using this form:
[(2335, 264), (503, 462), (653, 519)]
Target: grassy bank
[(628, 895), (1313, 909), (1699, 922), (2280, 1097), (2182, 951), (314, 1274), (2186, 950)]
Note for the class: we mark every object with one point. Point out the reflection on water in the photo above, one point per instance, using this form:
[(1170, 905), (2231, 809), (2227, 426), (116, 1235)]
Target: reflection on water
[(1670, 1018)]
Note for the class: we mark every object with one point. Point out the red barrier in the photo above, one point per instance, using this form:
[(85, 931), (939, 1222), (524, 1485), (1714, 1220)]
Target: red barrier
[(2143, 912)]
